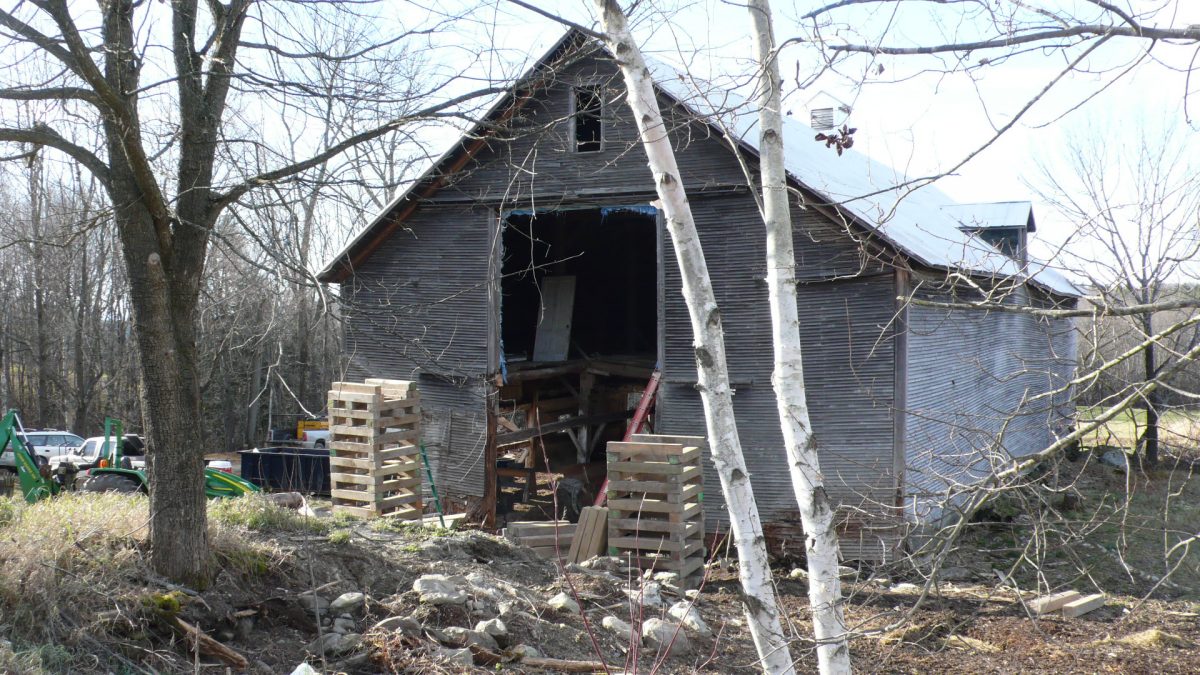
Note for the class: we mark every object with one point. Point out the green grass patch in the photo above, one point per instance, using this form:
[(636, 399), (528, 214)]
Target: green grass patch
[(413, 528), (256, 512), (1178, 427)]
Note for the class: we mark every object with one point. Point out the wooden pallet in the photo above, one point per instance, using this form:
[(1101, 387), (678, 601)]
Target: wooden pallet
[(547, 538), (655, 502), (374, 459)]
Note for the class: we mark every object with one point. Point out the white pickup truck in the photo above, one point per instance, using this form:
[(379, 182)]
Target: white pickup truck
[(315, 438), (86, 455)]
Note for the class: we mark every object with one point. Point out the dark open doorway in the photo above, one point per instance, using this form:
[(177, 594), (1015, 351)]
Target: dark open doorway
[(612, 255), (579, 335)]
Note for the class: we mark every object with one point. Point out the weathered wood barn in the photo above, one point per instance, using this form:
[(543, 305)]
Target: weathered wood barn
[(526, 282)]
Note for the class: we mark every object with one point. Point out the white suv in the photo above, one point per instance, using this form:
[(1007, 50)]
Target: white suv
[(46, 444)]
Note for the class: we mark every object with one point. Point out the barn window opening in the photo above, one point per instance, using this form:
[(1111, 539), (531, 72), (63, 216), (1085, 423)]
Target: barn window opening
[(579, 337), (588, 129)]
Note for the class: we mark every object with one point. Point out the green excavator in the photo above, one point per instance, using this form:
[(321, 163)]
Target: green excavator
[(113, 470), (35, 479)]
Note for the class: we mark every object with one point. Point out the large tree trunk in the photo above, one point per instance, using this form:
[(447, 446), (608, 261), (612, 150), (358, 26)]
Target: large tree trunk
[(759, 602), (816, 513), (170, 398)]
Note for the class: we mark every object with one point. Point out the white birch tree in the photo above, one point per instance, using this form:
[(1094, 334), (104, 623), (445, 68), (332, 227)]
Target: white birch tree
[(762, 611), (816, 512)]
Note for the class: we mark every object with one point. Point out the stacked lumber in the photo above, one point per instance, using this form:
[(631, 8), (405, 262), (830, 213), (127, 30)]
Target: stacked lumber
[(374, 458), (591, 535), (655, 495), (547, 538)]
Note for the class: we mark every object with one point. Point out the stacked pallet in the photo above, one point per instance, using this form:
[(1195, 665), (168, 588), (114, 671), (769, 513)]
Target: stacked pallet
[(655, 494), (374, 459), (548, 538)]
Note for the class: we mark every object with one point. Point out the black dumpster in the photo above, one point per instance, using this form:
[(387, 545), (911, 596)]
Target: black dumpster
[(304, 470)]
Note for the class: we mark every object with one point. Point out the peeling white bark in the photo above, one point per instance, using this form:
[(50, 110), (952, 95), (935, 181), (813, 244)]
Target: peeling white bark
[(761, 609), (816, 513)]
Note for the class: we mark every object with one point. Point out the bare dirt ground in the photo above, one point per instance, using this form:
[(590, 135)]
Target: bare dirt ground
[(76, 594)]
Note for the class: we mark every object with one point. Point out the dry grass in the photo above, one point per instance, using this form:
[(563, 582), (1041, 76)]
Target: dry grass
[(73, 568)]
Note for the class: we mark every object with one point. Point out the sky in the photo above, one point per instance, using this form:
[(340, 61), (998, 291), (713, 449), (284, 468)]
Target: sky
[(914, 116)]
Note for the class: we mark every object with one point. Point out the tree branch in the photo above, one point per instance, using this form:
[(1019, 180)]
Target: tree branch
[(267, 177), (43, 41), (41, 134), (50, 94), (1191, 34)]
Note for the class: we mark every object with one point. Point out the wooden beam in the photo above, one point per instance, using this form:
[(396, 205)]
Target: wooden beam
[(526, 434)]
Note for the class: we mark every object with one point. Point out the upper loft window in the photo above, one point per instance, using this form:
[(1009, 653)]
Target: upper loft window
[(588, 130)]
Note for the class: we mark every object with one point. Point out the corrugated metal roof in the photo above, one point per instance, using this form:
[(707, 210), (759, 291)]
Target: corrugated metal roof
[(911, 217), (993, 215)]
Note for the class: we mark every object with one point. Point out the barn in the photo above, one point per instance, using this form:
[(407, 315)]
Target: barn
[(525, 281)]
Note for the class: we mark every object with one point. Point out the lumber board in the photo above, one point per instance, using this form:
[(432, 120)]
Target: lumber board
[(654, 486), (398, 436), (674, 495), (648, 525), (652, 543), (1084, 605), (591, 538), (403, 419), (564, 540), (688, 457), (354, 397), (652, 506), (1050, 603), (627, 448), (648, 468), (684, 567), (336, 412), (686, 441), (354, 387)]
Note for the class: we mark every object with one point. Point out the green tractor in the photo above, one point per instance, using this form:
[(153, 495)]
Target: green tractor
[(113, 470), (35, 479)]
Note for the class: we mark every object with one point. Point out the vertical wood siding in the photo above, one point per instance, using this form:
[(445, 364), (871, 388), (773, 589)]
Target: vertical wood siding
[(417, 310), (533, 165), (849, 371)]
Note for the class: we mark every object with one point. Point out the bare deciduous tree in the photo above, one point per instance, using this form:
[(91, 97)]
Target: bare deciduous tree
[(170, 163)]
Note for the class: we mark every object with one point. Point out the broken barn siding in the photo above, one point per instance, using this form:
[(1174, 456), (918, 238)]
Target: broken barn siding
[(454, 433), (848, 361), (970, 375)]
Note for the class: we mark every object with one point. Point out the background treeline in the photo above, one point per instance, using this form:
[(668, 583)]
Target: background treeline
[(268, 345)]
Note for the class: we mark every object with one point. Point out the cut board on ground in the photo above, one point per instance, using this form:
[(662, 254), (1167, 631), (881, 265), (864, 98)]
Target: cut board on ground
[(1052, 603), (548, 538), (1083, 605)]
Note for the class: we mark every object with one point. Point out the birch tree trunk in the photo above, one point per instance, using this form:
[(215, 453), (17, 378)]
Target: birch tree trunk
[(816, 513), (761, 609)]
